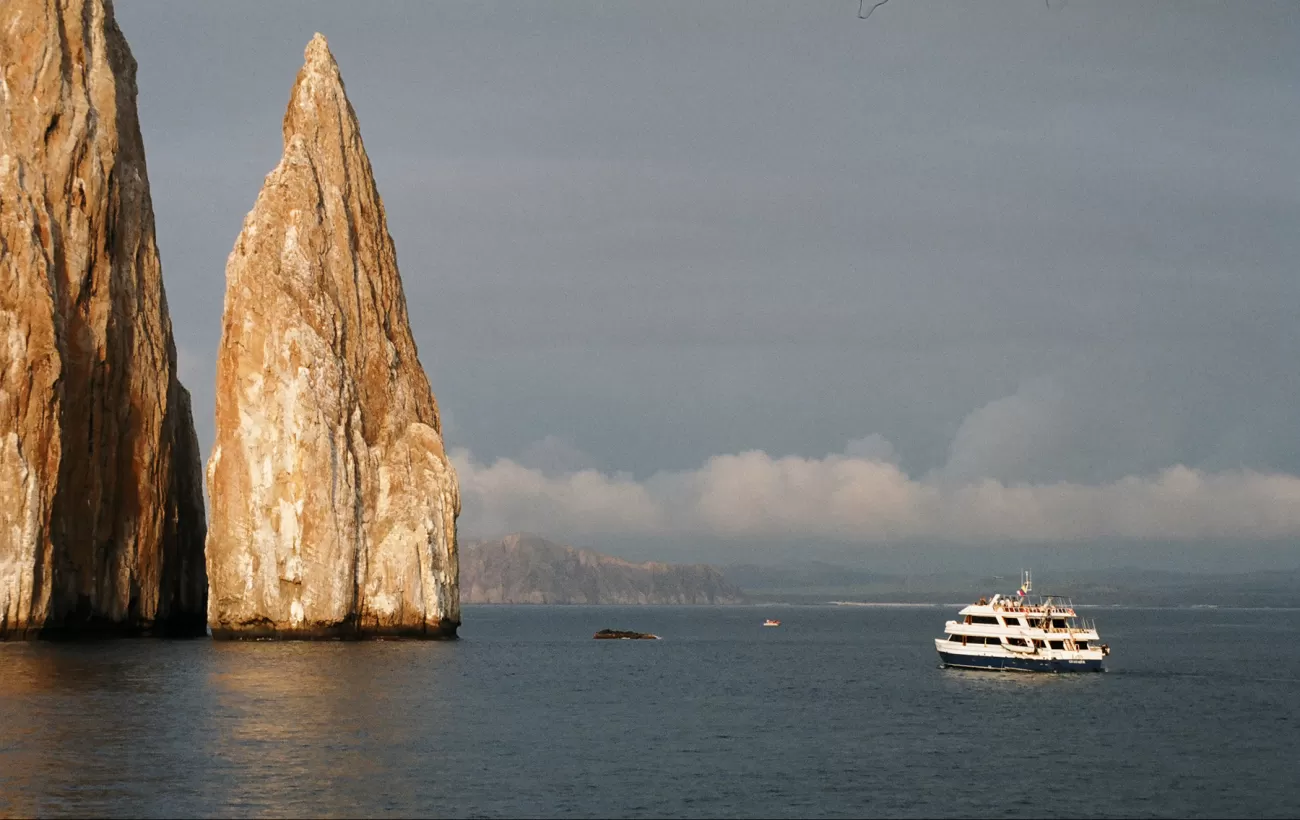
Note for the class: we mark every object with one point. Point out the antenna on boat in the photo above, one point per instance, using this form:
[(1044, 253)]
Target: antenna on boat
[(1026, 582)]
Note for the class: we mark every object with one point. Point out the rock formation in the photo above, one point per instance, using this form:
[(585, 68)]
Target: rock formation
[(525, 569), (333, 505), (101, 508), (624, 635)]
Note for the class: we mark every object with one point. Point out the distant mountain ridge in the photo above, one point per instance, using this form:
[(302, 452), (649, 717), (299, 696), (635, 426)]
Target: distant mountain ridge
[(527, 569)]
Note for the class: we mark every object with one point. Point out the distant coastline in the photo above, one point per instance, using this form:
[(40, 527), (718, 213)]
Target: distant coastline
[(529, 569), (908, 604)]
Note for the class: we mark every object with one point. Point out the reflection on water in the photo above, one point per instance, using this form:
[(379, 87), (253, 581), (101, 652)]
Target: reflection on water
[(1024, 681), (843, 711), (320, 722), (95, 728), (73, 717)]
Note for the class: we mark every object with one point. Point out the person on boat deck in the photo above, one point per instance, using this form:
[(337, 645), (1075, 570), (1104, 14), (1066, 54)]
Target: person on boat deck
[(982, 602)]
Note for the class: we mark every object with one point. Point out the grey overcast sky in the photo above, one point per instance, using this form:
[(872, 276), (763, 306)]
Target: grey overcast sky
[(708, 278)]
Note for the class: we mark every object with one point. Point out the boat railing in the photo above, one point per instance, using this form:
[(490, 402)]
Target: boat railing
[(1052, 607), (1073, 623), (1079, 625)]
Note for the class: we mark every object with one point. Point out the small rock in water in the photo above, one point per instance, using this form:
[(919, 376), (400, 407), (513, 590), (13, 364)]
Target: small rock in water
[(619, 634)]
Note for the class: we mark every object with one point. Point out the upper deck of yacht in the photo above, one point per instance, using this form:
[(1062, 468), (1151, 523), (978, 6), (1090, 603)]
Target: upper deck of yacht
[(1021, 616), (1044, 606)]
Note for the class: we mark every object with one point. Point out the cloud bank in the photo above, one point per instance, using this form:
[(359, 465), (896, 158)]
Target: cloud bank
[(859, 497), (992, 488)]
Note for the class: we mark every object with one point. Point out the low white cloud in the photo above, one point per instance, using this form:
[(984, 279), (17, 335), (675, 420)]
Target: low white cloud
[(507, 496), (1002, 482), (861, 495)]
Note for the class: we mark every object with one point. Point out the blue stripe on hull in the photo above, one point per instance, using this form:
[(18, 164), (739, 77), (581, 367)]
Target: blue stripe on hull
[(1018, 664)]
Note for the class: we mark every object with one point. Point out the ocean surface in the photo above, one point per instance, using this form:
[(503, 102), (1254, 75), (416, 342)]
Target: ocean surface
[(841, 711)]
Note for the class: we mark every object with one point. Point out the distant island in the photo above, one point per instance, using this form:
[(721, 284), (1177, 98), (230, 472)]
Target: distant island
[(527, 569)]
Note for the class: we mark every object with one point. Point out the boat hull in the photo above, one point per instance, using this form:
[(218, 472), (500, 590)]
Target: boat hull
[(1014, 664)]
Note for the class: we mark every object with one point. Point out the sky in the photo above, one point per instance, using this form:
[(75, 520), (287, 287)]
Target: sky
[(959, 284)]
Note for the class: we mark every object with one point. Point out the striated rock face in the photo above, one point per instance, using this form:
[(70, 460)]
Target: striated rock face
[(101, 512), (525, 569), (333, 505)]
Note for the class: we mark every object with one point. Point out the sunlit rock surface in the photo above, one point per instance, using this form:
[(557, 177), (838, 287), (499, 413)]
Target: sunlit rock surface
[(333, 504), (101, 507)]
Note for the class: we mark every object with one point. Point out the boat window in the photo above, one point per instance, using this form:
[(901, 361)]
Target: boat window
[(1057, 644), (983, 619), (955, 638), (1081, 644), (1012, 621), (1058, 623), (1039, 644), (1017, 641), (994, 641)]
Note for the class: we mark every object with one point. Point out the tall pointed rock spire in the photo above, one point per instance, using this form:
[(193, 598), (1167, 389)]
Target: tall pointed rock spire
[(333, 503), (101, 507)]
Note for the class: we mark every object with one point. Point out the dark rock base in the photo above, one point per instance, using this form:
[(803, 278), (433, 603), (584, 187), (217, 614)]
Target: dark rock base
[(445, 630), (93, 629), (623, 635)]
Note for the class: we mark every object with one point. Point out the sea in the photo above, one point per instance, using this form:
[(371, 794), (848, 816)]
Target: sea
[(841, 711)]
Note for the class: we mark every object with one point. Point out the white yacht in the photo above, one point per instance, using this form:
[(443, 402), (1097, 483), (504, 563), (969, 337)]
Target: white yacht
[(1022, 633)]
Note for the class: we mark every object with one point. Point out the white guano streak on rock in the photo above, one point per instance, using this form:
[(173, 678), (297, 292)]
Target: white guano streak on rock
[(23, 531)]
